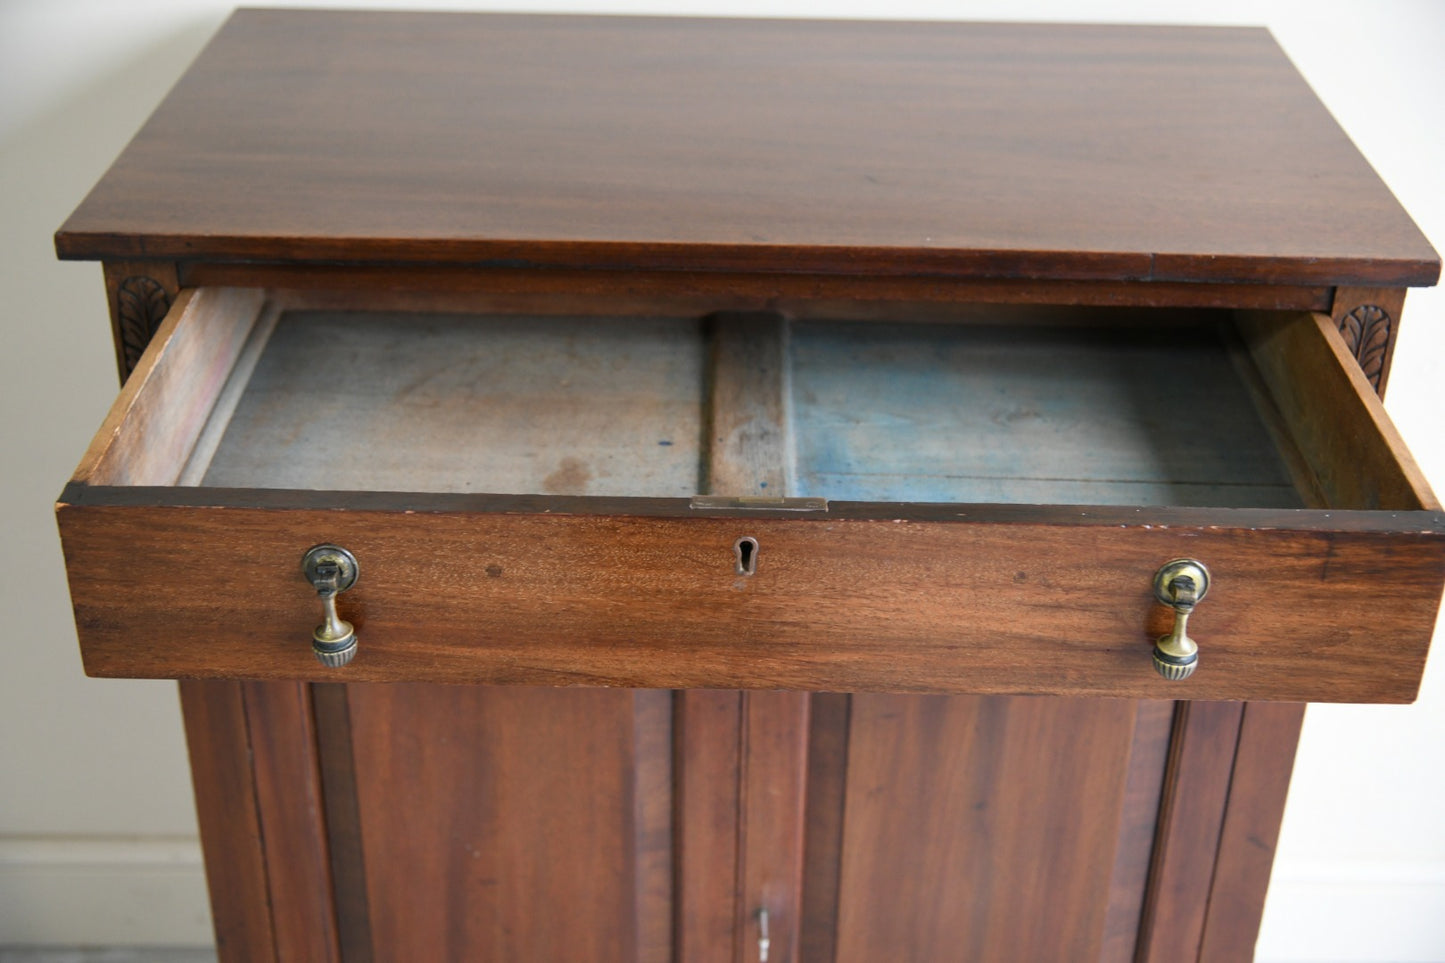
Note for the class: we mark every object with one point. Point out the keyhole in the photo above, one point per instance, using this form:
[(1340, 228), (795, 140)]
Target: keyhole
[(746, 549)]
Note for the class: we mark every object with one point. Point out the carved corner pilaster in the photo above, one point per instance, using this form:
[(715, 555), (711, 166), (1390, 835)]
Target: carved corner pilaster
[(1368, 319), (140, 294)]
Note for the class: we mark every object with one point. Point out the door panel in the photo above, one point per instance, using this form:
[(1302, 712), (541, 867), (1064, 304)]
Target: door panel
[(515, 823), (588, 824), (984, 828)]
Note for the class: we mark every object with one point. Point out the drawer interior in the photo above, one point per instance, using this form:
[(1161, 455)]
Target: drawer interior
[(250, 390), (437, 403), (1041, 414), (1044, 413), (976, 504)]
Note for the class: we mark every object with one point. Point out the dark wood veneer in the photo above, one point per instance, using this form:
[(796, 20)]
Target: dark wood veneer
[(1259, 781), (1191, 817), (843, 604), (222, 771), (980, 150)]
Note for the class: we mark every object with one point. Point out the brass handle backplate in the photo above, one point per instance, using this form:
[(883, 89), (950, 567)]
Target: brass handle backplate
[(1179, 584), (331, 570)]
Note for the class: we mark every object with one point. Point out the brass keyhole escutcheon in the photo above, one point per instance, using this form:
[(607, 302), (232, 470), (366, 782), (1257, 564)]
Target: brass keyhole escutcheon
[(331, 570), (745, 550), (1179, 584)]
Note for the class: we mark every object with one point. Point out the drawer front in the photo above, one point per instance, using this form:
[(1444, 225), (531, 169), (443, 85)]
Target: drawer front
[(173, 576), (907, 604)]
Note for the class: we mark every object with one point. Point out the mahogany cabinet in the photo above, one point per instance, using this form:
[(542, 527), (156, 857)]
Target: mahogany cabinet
[(754, 447)]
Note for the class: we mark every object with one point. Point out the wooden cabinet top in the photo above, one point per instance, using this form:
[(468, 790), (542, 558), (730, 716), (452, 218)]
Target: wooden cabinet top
[(965, 150)]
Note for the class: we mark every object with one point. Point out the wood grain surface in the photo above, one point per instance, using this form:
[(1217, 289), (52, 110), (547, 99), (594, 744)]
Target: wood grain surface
[(562, 850), (984, 150), (291, 810), (707, 773), (443, 402), (916, 846), (1334, 415), (1259, 780), (218, 742), (1144, 788), (825, 808), (749, 434), (1187, 842), (151, 428), (1035, 414), (971, 821), (1059, 604), (1061, 413), (259, 805), (771, 807), (337, 753)]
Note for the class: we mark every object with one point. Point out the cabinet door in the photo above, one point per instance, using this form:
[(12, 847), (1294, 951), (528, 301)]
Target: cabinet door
[(375, 822), (504, 823), (980, 828), (371, 822)]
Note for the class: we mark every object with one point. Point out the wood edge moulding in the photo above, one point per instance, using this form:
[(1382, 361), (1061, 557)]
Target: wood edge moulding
[(585, 291), (630, 257), (140, 293)]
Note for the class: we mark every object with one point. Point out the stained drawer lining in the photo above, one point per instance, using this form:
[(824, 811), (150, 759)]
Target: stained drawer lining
[(897, 412), (154, 427)]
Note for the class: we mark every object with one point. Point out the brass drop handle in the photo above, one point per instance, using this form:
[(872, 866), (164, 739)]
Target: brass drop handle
[(1179, 584), (331, 570)]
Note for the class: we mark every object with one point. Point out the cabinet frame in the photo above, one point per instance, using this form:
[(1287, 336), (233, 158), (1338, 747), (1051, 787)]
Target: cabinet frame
[(1211, 837)]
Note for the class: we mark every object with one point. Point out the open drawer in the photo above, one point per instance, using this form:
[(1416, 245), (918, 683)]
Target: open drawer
[(741, 501)]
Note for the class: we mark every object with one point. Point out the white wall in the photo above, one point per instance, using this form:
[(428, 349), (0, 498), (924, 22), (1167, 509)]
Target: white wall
[(96, 827)]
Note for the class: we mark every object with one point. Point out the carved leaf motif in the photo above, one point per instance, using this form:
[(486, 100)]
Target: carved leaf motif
[(143, 305), (1367, 332)]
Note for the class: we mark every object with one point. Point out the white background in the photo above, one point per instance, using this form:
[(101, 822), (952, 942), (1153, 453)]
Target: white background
[(96, 824)]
